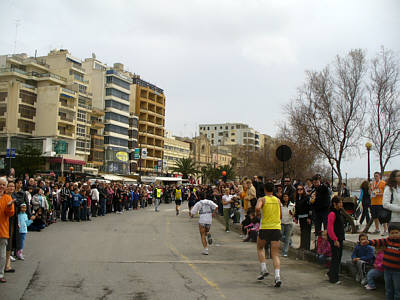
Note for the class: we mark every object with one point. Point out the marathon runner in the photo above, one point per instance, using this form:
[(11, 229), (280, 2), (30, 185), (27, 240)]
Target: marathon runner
[(206, 209), (270, 231), (178, 199)]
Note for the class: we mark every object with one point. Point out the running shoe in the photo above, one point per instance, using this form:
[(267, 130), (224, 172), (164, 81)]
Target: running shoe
[(278, 282), (262, 275), (338, 282), (209, 239), (12, 258), (205, 252), (369, 288)]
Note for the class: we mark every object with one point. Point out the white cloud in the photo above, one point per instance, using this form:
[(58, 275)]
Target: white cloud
[(268, 50)]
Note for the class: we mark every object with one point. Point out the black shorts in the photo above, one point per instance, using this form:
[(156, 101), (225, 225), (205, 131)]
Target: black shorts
[(178, 202), (270, 235), (375, 209)]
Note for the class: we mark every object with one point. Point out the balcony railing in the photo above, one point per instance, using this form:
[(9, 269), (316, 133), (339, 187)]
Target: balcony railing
[(68, 91), (66, 118), (28, 86)]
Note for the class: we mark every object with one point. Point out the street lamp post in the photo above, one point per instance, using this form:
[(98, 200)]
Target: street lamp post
[(368, 145)]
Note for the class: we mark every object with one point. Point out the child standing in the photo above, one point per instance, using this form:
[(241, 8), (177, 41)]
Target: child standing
[(391, 261), (363, 254), (23, 223)]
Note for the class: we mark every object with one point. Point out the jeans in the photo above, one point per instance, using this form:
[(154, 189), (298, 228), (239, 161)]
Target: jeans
[(365, 213), (286, 235), (157, 204), (3, 247), (64, 208), (372, 275), (322, 259), (94, 208), (22, 237), (320, 217), (305, 235), (226, 218), (335, 264), (392, 285), (102, 210)]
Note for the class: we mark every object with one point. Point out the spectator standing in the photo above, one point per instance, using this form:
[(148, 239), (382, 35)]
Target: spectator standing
[(23, 223), (94, 193), (320, 202), (303, 214), (377, 189), (391, 196), (365, 200), (287, 223), (336, 237), (289, 189), (6, 212)]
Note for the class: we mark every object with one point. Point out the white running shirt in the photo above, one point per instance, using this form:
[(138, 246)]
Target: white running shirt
[(205, 208)]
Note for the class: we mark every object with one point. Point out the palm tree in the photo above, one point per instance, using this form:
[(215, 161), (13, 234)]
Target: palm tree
[(185, 166)]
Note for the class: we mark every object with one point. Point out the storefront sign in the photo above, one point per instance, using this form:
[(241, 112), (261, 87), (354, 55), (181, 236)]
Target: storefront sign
[(122, 156)]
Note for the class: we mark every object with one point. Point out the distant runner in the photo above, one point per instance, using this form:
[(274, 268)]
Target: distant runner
[(178, 199), (206, 209), (270, 231)]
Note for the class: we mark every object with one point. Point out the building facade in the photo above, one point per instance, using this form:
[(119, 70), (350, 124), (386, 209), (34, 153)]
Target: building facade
[(148, 103), (231, 134), (38, 107), (174, 150)]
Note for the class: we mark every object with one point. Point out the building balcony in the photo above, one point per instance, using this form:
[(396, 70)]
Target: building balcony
[(77, 68), (69, 92), (97, 124), (29, 87), (65, 119)]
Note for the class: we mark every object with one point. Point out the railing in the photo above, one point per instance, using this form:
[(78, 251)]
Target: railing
[(28, 86), (66, 104), (76, 66), (51, 75), (65, 118), (7, 70), (89, 107), (68, 91)]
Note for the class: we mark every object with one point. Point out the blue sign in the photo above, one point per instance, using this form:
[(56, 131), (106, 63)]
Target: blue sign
[(8, 153), (13, 152)]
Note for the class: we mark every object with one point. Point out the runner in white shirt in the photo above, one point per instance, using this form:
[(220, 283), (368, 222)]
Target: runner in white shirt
[(206, 209)]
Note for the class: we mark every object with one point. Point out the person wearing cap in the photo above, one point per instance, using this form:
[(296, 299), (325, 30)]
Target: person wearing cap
[(6, 211)]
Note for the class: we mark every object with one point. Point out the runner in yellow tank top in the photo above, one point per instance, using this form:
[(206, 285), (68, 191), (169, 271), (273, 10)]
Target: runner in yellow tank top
[(269, 210)]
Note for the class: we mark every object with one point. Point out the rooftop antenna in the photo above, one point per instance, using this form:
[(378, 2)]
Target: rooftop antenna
[(16, 34)]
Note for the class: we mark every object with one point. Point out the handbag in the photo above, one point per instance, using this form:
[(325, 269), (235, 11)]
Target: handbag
[(384, 214)]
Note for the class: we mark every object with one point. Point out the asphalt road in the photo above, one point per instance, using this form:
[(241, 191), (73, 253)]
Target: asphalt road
[(147, 255)]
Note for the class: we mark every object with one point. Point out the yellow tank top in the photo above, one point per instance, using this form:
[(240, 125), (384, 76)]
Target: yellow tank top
[(271, 213), (158, 193), (178, 194)]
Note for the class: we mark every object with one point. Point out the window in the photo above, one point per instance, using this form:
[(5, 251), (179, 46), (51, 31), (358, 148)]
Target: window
[(232, 140), (80, 130), (116, 129), (232, 127), (117, 105), (116, 117), (226, 127), (82, 145), (26, 97), (26, 111), (212, 135), (208, 128), (119, 82), (232, 134), (115, 141), (220, 133), (82, 89), (220, 127), (81, 116), (99, 67), (245, 134), (215, 128), (117, 93)]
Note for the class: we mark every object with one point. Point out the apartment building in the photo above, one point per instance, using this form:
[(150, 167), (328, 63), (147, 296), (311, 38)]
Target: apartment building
[(221, 156), (148, 103), (227, 134), (174, 150), (38, 108), (111, 92), (133, 141)]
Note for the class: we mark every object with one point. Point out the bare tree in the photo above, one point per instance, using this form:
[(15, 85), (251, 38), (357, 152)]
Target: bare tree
[(330, 109), (384, 107)]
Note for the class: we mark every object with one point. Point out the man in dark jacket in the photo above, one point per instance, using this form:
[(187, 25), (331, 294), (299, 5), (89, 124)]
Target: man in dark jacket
[(21, 198), (320, 201), (259, 185), (289, 189)]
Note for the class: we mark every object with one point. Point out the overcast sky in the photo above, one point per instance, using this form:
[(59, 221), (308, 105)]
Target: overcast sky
[(217, 60)]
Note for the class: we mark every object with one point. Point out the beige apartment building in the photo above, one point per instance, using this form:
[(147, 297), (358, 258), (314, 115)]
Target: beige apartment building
[(200, 149), (174, 150), (230, 134), (220, 156), (148, 103), (38, 107)]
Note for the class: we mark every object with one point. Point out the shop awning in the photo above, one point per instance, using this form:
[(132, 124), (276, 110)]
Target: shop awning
[(113, 177), (67, 161)]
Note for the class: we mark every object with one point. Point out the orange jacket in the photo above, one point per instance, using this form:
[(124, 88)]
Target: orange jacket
[(5, 213)]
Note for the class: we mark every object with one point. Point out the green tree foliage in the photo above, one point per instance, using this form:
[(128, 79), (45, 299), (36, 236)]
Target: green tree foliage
[(28, 160), (185, 166)]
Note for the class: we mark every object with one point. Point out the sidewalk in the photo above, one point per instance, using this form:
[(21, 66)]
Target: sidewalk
[(295, 253)]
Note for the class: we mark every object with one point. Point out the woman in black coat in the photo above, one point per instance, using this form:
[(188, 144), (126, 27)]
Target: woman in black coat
[(303, 215)]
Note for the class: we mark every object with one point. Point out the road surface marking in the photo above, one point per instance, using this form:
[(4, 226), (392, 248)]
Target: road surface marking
[(194, 268)]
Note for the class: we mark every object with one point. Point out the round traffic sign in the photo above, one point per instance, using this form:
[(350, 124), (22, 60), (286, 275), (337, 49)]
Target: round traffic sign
[(283, 153)]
